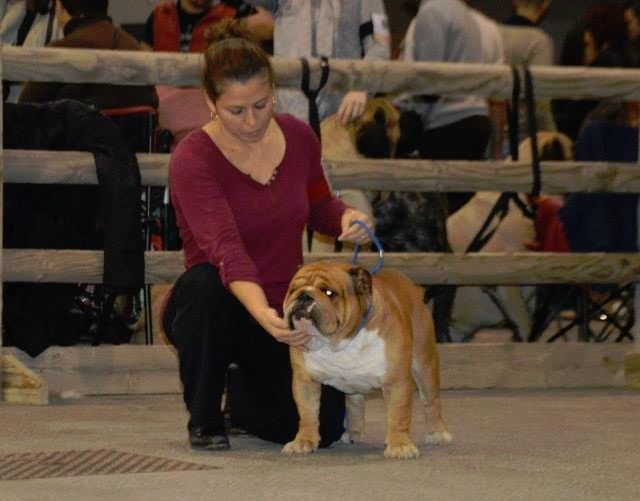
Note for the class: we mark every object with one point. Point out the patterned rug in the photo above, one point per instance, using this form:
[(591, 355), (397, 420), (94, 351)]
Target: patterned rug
[(31, 465)]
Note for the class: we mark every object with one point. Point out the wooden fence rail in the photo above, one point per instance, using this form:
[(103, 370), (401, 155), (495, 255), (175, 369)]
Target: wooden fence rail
[(142, 68), (38, 265), (72, 167)]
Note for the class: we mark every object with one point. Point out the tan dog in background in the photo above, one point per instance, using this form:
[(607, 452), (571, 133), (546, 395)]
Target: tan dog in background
[(339, 142), (367, 333)]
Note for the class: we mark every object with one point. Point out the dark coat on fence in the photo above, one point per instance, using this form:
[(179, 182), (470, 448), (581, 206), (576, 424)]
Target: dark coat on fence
[(69, 216)]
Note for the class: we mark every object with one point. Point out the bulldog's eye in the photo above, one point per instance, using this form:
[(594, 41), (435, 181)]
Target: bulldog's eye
[(329, 293)]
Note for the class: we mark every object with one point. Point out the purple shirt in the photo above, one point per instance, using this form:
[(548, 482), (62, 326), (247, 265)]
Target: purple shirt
[(247, 230)]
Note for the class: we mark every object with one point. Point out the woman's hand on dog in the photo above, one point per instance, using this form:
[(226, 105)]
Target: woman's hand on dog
[(352, 106), (277, 327), (355, 233)]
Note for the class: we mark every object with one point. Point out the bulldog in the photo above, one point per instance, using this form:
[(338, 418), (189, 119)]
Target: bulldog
[(367, 333)]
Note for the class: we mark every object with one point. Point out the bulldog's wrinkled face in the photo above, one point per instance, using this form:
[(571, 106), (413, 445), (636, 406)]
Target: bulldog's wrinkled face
[(328, 297)]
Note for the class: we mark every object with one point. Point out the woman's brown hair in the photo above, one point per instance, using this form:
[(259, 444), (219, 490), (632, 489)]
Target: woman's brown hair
[(232, 56)]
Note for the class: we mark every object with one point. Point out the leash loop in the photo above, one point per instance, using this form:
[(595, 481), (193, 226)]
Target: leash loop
[(375, 241)]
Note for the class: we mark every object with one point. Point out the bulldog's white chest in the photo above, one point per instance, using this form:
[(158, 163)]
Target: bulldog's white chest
[(357, 367)]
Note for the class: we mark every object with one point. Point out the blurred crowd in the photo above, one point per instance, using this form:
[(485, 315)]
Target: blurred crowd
[(442, 127), (605, 35)]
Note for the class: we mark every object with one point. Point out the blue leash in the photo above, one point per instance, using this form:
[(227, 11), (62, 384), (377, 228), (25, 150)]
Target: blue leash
[(373, 271), (375, 241)]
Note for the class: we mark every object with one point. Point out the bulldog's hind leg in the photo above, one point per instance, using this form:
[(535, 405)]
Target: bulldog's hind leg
[(306, 393), (425, 368), (355, 419)]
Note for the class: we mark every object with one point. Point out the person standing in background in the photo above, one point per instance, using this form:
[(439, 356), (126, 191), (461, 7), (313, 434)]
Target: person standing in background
[(354, 29), (26, 23), (492, 53), (603, 33), (528, 12), (632, 18), (527, 44), (524, 41), (454, 127)]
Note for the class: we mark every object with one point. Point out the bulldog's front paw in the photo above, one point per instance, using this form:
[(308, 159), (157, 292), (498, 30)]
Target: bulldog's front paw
[(438, 438), (300, 446), (402, 451)]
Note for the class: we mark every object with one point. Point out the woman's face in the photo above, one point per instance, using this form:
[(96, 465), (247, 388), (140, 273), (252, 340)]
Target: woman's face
[(245, 109), (590, 49)]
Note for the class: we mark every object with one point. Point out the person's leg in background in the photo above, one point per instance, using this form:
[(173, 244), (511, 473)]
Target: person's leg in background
[(466, 139)]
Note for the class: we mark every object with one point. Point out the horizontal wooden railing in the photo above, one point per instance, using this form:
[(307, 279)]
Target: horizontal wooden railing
[(72, 167), (144, 68), (38, 265)]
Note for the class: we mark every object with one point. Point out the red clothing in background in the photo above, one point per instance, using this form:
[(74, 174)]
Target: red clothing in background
[(550, 236), (247, 230), (166, 27)]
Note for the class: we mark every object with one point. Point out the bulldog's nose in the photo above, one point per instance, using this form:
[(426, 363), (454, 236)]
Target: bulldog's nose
[(305, 297)]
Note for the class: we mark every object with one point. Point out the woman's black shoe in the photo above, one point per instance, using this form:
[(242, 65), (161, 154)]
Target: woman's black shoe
[(203, 439)]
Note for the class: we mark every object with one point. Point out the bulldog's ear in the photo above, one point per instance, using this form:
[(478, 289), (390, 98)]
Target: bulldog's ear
[(361, 280)]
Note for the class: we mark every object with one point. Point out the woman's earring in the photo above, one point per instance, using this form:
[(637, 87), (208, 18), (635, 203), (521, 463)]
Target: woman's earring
[(213, 115)]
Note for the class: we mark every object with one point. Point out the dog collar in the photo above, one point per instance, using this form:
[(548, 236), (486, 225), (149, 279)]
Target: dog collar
[(365, 319)]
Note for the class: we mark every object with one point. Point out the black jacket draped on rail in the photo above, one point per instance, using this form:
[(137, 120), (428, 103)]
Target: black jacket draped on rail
[(70, 216)]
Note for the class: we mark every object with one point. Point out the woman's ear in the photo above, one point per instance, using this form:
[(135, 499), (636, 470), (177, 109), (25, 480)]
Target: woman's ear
[(210, 105)]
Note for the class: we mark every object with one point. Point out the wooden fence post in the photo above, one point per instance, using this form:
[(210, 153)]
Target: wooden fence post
[(20, 384), (1, 216), (632, 360)]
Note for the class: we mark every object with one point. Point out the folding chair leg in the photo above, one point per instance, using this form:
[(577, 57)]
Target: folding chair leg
[(549, 301), (148, 323), (146, 290), (583, 313)]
